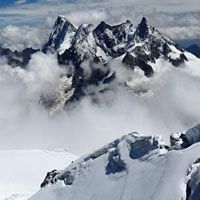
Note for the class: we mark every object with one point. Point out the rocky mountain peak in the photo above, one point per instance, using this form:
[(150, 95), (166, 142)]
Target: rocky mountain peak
[(18, 58), (83, 31), (101, 27), (60, 19), (137, 47), (142, 29), (61, 36)]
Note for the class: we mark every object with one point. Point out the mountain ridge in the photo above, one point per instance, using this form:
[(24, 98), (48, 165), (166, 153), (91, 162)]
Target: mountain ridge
[(134, 47), (128, 165), (87, 53)]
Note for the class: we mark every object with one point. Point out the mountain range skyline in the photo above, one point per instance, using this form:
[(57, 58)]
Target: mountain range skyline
[(99, 99)]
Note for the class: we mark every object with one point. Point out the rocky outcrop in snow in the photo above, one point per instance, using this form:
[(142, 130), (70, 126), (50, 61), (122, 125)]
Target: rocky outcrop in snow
[(184, 140), (134, 166), (193, 184), (136, 146)]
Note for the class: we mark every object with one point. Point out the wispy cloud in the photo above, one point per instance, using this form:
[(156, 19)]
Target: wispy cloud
[(19, 38), (18, 2), (177, 15)]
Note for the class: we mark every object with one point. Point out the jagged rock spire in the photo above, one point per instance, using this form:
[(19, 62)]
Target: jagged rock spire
[(143, 30), (62, 28), (60, 19), (138, 48)]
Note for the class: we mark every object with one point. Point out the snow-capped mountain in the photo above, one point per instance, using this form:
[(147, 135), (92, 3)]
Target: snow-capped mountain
[(90, 60), (96, 58), (88, 52), (23, 169), (114, 41), (132, 167), (61, 37)]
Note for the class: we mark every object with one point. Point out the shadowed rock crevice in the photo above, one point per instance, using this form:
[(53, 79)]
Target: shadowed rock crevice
[(142, 30), (142, 147), (184, 140), (115, 163), (138, 61)]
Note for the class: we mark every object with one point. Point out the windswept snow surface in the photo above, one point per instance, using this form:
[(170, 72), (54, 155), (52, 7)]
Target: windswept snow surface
[(158, 175), (23, 170)]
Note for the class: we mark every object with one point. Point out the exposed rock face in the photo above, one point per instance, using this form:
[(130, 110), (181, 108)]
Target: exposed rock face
[(132, 166), (107, 42), (138, 61), (184, 140), (152, 45), (143, 30), (61, 36), (83, 48), (138, 146), (90, 50), (115, 164), (50, 178), (178, 61), (87, 52), (143, 147), (193, 184), (114, 40), (17, 58)]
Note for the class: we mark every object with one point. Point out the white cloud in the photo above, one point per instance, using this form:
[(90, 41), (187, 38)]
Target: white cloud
[(181, 33), (179, 13), (25, 124), (18, 2), (18, 38)]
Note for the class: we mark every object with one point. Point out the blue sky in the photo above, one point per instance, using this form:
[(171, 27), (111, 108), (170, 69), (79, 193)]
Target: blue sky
[(7, 3), (177, 18), (30, 12)]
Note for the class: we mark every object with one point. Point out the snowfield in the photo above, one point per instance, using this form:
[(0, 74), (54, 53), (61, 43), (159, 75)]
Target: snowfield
[(23, 170)]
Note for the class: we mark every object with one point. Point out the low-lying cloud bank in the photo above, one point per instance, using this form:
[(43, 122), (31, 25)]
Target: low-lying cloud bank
[(24, 123), (21, 37)]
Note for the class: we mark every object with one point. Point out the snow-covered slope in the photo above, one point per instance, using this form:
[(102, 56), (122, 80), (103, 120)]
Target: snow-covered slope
[(21, 170), (132, 167)]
